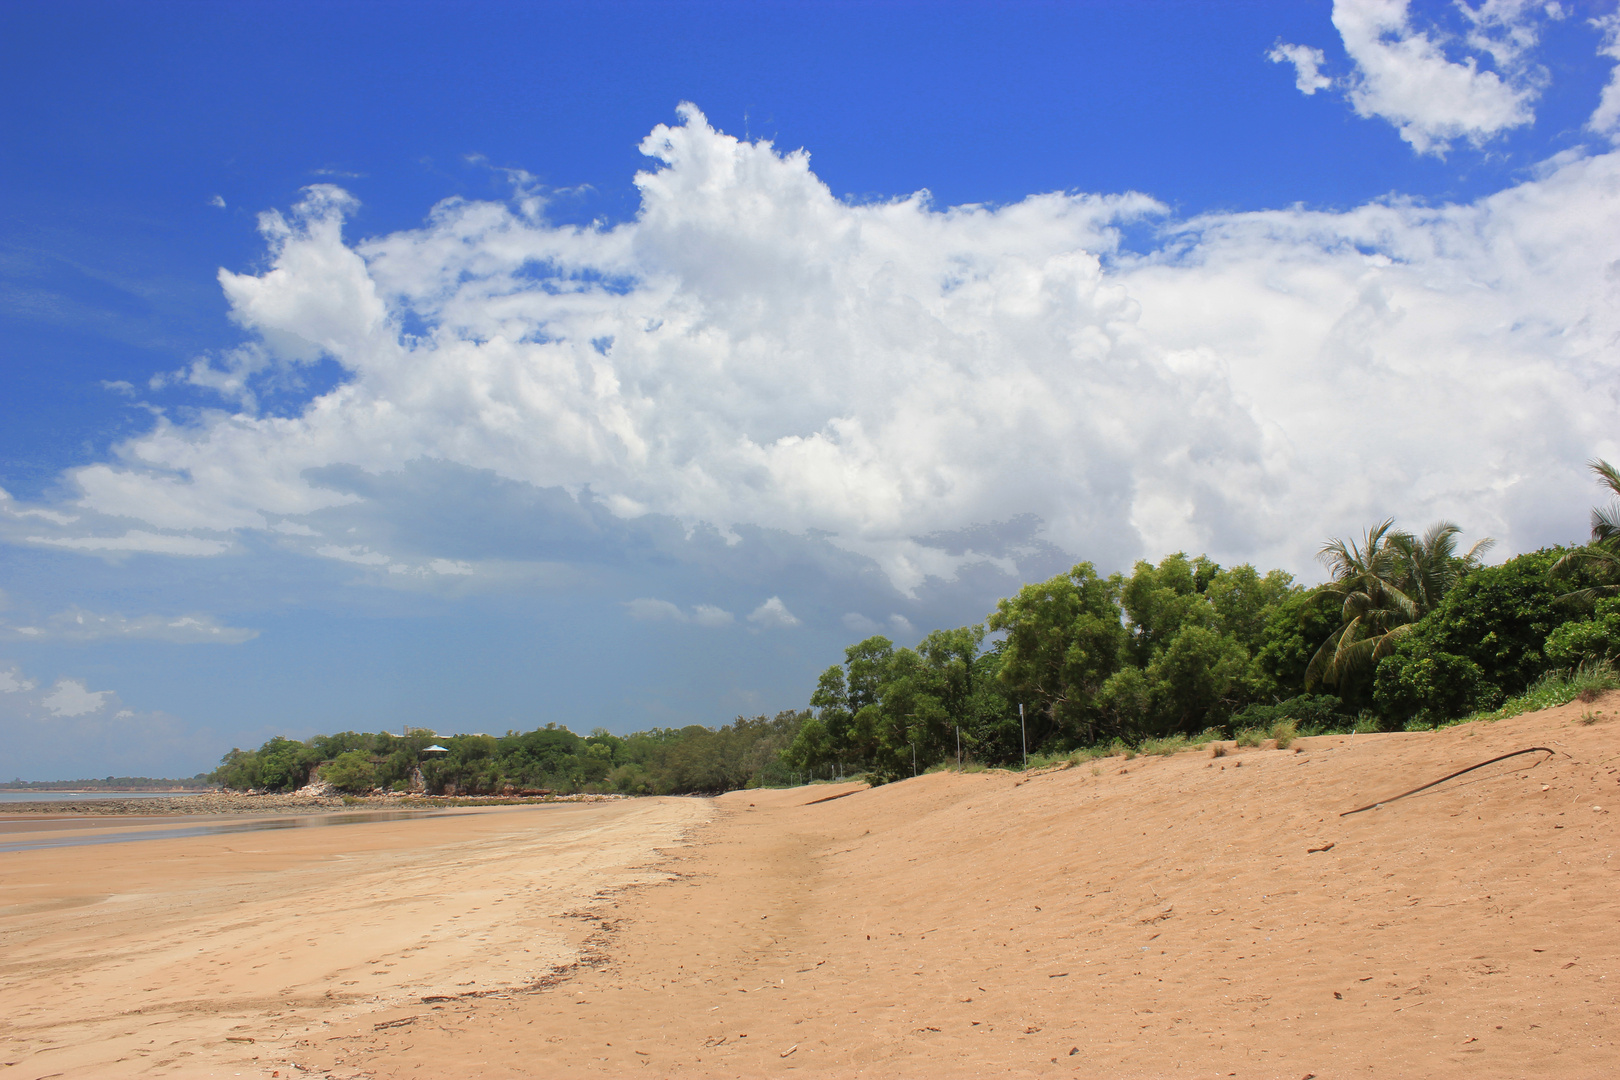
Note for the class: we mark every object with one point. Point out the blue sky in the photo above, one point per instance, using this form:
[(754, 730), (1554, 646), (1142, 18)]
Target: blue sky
[(480, 366)]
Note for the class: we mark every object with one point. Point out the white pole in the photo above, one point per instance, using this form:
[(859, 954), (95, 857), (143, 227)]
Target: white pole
[(1023, 731)]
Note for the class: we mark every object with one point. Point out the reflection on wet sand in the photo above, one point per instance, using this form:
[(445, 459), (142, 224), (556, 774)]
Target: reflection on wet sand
[(128, 834)]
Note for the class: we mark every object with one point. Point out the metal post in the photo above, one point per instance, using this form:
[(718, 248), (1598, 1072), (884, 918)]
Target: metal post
[(1024, 732)]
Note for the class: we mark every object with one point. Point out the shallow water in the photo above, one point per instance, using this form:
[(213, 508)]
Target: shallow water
[(87, 796), (221, 827)]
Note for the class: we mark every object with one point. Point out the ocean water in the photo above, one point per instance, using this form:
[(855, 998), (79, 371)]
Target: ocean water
[(217, 828), (85, 796)]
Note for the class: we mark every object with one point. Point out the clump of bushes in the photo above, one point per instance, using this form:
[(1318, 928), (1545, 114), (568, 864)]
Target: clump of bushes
[(1585, 682), (351, 771), (1312, 712)]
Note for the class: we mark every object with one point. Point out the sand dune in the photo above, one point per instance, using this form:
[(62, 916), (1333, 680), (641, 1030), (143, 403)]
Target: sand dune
[(1156, 917)]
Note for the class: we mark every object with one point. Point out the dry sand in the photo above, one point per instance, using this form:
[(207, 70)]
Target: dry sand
[(1157, 917)]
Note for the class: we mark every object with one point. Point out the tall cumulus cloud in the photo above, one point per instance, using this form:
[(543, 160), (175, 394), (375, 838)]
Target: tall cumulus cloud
[(750, 350)]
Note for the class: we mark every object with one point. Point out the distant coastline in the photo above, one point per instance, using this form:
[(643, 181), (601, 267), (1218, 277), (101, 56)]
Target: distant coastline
[(112, 783)]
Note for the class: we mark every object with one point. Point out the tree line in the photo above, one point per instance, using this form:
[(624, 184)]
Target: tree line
[(662, 761), (1409, 631)]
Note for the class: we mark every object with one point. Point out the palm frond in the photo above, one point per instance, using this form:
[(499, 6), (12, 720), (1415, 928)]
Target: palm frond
[(1322, 661), (1608, 474), (1399, 601), (1387, 643), (1593, 559), (1606, 523), (1585, 599), (1355, 656), (1440, 540), (1477, 552), (1346, 559)]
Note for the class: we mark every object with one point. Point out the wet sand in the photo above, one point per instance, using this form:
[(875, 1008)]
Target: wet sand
[(196, 956), (1184, 916)]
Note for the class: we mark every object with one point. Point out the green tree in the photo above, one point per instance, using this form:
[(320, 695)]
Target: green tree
[(1064, 640), (1388, 582), (830, 736), (1294, 629), (1196, 680), (1244, 600), (285, 764), (1487, 640), (1157, 600), (350, 771)]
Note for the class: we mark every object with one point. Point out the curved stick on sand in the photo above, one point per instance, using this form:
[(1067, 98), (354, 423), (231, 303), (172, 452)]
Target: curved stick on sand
[(1448, 776)]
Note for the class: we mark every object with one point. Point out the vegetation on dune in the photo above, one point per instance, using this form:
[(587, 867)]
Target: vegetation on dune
[(1409, 632), (1595, 566), (1389, 582)]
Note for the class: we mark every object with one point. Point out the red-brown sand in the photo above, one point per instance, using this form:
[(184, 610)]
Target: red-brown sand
[(1143, 918)]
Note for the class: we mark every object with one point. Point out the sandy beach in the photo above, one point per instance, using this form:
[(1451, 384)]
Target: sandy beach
[(1183, 916), (213, 955)]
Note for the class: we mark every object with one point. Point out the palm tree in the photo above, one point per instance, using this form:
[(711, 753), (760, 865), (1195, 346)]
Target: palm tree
[(1599, 558), (1433, 565), (1389, 581)]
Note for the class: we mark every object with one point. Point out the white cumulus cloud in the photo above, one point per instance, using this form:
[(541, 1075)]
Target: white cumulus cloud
[(773, 615), (711, 616), (752, 352), (856, 623), (355, 553), (70, 697), (1429, 83), (1605, 119), (1307, 63), (13, 682), (647, 609)]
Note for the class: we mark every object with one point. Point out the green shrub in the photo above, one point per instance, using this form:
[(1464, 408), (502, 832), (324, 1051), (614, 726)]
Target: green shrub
[(1420, 683), (1165, 747), (1285, 732), (1313, 711), (1251, 736), (1583, 640), (1592, 678), (1486, 641), (1557, 688), (350, 771)]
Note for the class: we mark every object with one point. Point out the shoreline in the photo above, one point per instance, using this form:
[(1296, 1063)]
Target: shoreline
[(240, 804), (231, 954)]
